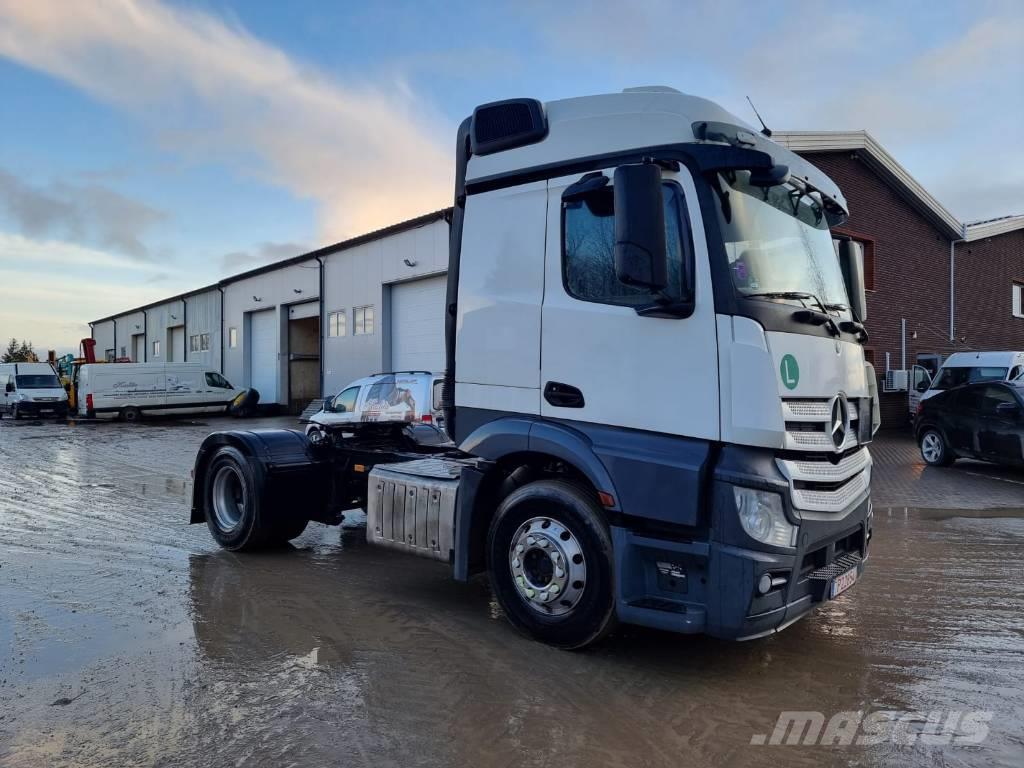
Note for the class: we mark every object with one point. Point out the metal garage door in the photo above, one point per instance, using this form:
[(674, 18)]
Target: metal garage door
[(263, 354), (417, 325)]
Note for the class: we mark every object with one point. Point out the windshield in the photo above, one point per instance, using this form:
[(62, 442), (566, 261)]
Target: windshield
[(41, 381), (955, 377), (778, 241)]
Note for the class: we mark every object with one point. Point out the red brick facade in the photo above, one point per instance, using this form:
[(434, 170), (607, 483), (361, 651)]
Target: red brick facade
[(908, 264)]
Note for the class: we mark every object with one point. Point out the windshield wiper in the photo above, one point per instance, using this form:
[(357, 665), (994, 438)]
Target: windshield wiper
[(806, 315)]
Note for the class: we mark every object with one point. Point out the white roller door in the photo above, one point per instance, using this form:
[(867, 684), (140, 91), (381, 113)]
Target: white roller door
[(417, 325), (263, 369), (176, 352)]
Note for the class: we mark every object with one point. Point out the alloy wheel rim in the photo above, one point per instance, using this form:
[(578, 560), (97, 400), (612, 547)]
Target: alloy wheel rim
[(548, 567), (931, 447)]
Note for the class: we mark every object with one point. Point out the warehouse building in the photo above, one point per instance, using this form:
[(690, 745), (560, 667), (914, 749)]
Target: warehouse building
[(382, 309), (315, 322)]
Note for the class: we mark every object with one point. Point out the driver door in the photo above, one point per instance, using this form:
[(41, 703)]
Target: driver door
[(601, 361), (920, 381)]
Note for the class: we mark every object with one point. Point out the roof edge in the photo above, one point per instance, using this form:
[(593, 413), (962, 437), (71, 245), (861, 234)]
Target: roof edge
[(394, 229), (882, 162)]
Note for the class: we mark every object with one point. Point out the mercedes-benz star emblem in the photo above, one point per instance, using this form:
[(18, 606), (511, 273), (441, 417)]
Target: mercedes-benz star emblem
[(839, 423)]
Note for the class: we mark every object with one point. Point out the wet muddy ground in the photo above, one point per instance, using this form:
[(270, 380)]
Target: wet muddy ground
[(127, 638)]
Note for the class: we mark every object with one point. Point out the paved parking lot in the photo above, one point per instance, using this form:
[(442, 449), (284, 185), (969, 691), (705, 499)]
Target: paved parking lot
[(127, 638), (900, 478)]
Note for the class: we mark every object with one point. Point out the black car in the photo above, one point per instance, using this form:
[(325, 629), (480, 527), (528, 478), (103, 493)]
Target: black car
[(978, 421)]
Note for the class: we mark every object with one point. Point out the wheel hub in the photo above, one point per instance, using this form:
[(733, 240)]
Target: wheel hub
[(228, 498), (547, 565)]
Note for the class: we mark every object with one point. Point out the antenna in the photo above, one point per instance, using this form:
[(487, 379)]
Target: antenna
[(764, 128)]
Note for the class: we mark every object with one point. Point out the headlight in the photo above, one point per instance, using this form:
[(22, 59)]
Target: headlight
[(762, 517)]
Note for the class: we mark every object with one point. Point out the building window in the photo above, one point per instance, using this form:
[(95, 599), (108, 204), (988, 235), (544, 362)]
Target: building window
[(109, 355), (336, 323), (362, 320), (156, 349), (204, 342), (124, 352), (232, 337), (588, 266), (1018, 300)]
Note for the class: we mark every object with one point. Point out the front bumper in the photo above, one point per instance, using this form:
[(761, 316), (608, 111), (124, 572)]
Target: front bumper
[(30, 409), (709, 584)]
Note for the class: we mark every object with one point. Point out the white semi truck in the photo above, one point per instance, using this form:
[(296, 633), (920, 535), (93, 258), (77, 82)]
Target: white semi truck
[(655, 385)]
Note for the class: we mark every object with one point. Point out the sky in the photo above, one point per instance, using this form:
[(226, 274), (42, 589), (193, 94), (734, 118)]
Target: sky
[(149, 148)]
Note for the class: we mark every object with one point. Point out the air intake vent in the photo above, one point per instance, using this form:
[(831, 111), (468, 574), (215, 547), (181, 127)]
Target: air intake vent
[(503, 125)]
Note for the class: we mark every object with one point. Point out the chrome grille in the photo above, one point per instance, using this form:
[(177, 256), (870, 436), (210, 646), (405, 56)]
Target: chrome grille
[(807, 425), (852, 471)]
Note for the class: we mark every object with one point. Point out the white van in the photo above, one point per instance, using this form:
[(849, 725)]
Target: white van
[(964, 368), (32, 390), (128, 390)]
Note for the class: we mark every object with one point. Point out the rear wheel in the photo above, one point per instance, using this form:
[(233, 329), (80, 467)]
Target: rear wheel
[(934, 449), (236, 508), (550, 563), (131, 414)]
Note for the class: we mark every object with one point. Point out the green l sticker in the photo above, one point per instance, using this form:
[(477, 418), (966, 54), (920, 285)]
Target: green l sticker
[(790, 372)]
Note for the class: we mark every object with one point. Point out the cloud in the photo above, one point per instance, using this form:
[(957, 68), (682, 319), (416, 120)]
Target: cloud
[(17, 249), (88, 213), (264, 253), (368, 155)]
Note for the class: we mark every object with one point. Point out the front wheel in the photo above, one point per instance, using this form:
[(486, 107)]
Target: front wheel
[(131, 414), (550, 562), (934, 450)]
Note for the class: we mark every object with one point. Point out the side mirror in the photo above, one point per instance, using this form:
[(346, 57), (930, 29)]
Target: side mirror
[(10, 386), (922, 386), (1008, 410), (641, 256), (851, 261)]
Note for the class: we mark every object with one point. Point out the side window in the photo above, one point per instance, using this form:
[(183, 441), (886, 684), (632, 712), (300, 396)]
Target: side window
[(588, 248), (214, 379), (1015, 372), (346, 401), (993, 396), (438, 389)]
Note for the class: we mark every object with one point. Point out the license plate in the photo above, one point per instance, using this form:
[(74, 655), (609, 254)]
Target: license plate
[(843, 582)]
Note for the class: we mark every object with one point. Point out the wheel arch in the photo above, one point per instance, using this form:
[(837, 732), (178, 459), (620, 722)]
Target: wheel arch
[(518, 450)]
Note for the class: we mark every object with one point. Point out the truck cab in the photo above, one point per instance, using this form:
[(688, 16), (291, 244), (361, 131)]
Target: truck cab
[(655, 377)]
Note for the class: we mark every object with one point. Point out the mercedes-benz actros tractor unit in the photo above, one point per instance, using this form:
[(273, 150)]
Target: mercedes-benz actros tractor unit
[(656, 389)]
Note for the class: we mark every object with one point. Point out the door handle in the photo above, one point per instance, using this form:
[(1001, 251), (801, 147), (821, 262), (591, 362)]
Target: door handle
[(563, 395)]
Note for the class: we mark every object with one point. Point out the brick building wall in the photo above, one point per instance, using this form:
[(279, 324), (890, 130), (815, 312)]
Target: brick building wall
[(909, 259), (985, 271)]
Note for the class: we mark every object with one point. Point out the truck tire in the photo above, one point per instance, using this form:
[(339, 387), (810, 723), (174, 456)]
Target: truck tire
[(235, 505), (131, 414), (934, 449), (549, 557)]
